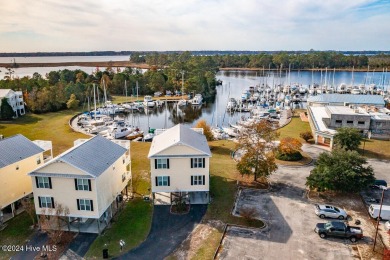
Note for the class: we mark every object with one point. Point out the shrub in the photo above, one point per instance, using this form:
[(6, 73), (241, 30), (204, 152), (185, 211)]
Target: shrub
[(295, 156), (306, 136)]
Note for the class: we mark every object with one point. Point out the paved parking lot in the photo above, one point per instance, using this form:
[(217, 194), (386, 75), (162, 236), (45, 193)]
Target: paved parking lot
[(291, 220)]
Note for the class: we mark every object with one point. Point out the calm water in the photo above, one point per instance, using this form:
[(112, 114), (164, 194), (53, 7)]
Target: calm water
[(234, 83)]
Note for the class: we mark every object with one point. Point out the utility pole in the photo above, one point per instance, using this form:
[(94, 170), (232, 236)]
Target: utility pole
[(379, 215)]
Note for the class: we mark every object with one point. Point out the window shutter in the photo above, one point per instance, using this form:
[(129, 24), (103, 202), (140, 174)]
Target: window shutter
[(39, 202), (155, 163), (75, 184), (78, 204), (169, 181), (91, 205), (192, 180), (36, 181), (192, 163), (204, 183), (167, 163), (52, 202), (204, 163), (50, 184), (156, 181), (89, 185)]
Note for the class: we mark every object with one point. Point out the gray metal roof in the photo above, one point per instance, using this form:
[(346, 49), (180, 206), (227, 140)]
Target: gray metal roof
[(179, 135), (348, 98), (16, 148), (93, 156)]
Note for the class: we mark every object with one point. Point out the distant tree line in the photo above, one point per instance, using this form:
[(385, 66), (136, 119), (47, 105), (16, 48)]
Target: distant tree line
[(277, 60), (188, 73)]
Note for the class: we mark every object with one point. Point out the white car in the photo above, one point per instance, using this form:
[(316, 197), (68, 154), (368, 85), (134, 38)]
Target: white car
[(329, 211)]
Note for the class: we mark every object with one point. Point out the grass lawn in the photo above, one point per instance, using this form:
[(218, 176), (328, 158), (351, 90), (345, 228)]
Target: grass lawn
[(294, 128), (132, 225), (18, 230), (50, 126), (375, 149), (223, 185), (140, 167)]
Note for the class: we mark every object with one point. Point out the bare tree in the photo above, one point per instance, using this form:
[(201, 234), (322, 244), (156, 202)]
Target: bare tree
[(52, 220), (29, 207)]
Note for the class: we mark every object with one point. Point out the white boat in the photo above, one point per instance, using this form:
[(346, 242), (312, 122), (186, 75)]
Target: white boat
[(148, 102), (218, 133), (342, 88), (287, 99), (330, 90), (232, 132), (355, 90), (182, 103), (148, 137), (302, 90), (362, 89), (231, 105), (197, 100), (120, 132), (135, 134)]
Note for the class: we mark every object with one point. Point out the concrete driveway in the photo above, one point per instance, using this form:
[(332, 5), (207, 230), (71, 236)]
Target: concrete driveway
[(167, 232)]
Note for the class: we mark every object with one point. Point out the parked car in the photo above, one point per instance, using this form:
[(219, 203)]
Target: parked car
[(339, 230), (329, 211), (374, 209), (378, 183)]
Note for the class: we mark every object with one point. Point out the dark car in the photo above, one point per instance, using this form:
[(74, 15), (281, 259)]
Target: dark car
[(378, 183), (338, 230)]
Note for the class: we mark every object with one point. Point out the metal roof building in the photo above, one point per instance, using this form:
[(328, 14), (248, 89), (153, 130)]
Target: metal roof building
[(179, 135), (346, 99), (17, 148), (92, 156)]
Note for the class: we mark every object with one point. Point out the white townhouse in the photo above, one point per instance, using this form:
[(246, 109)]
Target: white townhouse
[(180, 162), (18, 157), (15, 100), (90, 180)]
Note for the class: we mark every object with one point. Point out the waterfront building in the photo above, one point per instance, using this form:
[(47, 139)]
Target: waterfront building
[(15, 100), (180, 162), (346, 100)]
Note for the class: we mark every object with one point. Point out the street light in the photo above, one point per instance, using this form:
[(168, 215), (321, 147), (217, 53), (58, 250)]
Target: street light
[(383, 188)]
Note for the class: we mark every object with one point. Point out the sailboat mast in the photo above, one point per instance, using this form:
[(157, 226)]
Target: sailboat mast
[(94, 99)]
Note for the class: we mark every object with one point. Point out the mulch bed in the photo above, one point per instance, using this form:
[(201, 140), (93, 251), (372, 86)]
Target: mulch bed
[(175, 211)]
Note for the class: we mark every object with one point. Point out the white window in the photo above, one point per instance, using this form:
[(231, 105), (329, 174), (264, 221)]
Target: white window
[(85, 204), (162, 181), (46, 202), (83, 184), (162, 164), (197, 163), (43, 182), (197, 180)]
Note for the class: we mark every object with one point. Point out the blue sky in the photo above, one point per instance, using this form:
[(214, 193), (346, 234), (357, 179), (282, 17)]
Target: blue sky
[(93, 25)]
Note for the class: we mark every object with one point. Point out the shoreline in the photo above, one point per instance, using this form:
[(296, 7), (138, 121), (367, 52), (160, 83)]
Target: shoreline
[(146, 66)]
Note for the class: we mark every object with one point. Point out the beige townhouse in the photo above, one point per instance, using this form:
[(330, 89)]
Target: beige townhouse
[(88, 181), (180, 162)]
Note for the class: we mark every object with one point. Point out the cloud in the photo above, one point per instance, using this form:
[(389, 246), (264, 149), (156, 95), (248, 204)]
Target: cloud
[(53, 25)]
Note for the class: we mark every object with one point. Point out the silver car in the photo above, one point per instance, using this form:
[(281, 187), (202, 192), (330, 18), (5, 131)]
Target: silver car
[(329, 211)]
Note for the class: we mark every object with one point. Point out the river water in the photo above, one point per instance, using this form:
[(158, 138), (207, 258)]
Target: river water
[(234, 83)]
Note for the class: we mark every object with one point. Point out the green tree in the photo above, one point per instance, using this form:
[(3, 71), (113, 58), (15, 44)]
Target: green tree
[(6, 111), (72, 103), (257, 143), (341, 171), (347, 138)]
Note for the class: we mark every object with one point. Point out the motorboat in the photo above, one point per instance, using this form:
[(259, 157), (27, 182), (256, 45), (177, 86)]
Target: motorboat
[(355, 90), (148, 102), (197, 100), (342, 88), (231, 105)]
